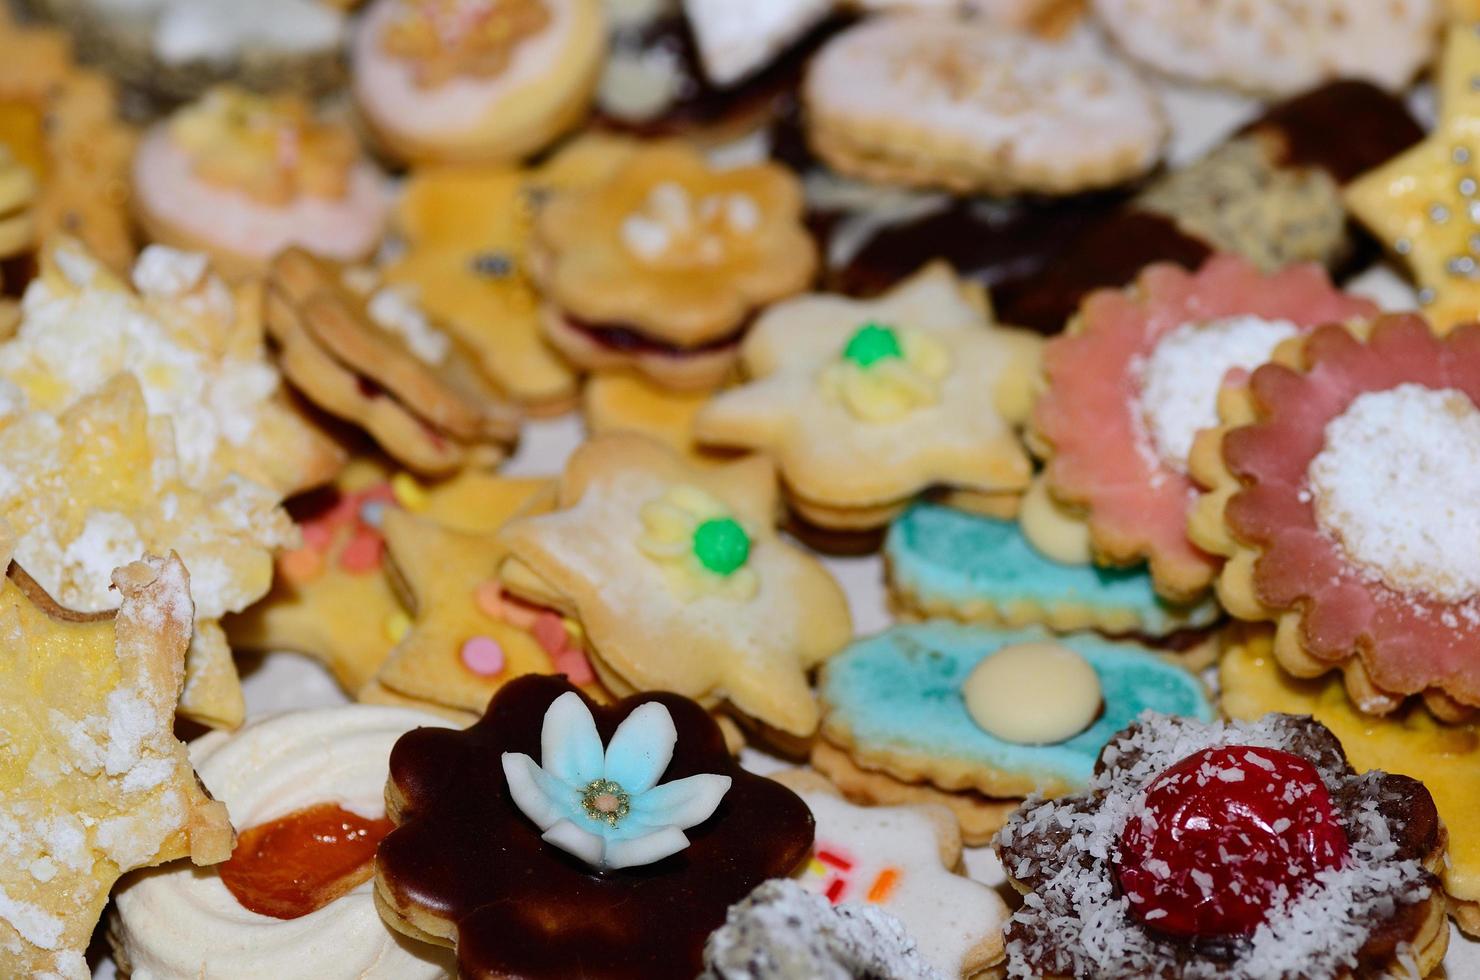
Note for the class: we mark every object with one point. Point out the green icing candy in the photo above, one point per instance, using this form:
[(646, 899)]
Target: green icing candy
[(900, 693), (721, 545), (872, 343)]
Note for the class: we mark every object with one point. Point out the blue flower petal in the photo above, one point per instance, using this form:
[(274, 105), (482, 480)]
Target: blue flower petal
[(646, 849), (583, 844), (538, 795), (570, 749), (681, 803), (641, 748)]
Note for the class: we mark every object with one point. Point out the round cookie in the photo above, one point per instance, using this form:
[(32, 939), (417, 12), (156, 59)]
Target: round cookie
[(181, 923), (935, 100)]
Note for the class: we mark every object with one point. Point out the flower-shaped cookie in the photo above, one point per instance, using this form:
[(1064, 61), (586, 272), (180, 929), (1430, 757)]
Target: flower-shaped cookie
[(1445, 758), (864, 403), (467, 232), (1240, 851), (659, 618), (484, 861), (95, 781), (1420, 204), (1337, 501), (1134, 379), (661, 266)]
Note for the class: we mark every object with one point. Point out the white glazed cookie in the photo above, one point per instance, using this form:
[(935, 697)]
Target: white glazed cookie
[(935, 100), (180, 923), (1277, 47)]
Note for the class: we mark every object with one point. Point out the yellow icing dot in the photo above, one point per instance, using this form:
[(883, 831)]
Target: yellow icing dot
[(1033, 693), (408, 492), (397, 625)]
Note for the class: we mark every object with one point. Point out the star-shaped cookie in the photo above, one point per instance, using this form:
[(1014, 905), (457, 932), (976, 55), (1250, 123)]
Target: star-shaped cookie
[(679, 580), (903, 859), (1425, 204), (94, 781), (864, 403)]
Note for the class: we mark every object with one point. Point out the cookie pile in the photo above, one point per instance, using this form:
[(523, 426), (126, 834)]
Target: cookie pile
[(1126, 350)]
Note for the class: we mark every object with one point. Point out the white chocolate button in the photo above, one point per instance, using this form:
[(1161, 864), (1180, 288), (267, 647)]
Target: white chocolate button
[(1053, 532), (1033, 693)]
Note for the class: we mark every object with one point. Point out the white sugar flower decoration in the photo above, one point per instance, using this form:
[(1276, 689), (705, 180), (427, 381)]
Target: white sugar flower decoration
[(605, 806)]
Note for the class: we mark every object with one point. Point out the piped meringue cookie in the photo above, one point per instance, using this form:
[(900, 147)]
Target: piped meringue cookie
[(183, 922)]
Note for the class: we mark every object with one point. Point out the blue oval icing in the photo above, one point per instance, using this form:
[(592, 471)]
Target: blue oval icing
[(900, 692), (946, 555)]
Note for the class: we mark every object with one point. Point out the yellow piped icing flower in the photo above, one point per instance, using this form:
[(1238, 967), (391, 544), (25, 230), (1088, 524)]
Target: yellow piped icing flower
[(885, 373), (700, 545), (270, 148)]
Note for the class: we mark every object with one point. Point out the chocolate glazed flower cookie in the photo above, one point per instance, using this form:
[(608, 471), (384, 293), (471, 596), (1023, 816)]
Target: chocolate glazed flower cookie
[(557, 838)]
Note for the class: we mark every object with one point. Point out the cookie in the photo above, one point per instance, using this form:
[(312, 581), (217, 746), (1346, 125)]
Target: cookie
[(780, 931), (1332, 499), (1287, 863), (940, 101), (574, 808), (1445, 758), (1417, 204), (679, 580), (613, 401), (733, 43), (902, 860), (1134, 379), (61, 122), (438, 81), (660, 267), (96, 783), (243, 177), (865, 403), (17, 217), (1273, 49), (942, 561), (902, 703), (466, 235), (173, 50), (372, 357), (284, 778)]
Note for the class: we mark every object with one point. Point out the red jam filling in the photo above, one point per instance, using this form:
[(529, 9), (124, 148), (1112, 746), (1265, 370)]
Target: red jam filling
[(1223, 838), (299, 863)]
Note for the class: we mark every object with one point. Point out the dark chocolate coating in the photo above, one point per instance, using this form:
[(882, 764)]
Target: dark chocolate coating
[(525, 908), (1345, 128)]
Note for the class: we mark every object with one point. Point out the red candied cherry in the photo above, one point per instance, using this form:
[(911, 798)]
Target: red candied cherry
[(1224, 837)]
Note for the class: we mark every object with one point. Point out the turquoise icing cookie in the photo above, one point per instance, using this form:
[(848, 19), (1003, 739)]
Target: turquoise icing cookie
[(949, 561), (898, 694)]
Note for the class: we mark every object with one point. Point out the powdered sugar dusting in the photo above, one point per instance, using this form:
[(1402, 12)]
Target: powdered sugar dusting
[(1392, 486), (1074, 922), (1180, 378)]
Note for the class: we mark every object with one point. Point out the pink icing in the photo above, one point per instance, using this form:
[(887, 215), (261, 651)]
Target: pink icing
[(1408, 642), (483, 656)]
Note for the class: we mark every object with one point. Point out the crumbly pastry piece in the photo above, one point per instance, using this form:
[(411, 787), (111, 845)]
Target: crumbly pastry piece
[(865, 403), (284, 774), (555, 834), (467, 236), (1136, 377), (660, 267), (242, 177), (1331, 497), (1445, 758), (942, 561), (373, 357), (679, 580), (935, 100), (96, 783), (1418, 204), (1273, 49), (173, 50), (781, 932), (1239, 850), (898, 703), (60, 122), (195, 348), (902, 860), (491, 81)]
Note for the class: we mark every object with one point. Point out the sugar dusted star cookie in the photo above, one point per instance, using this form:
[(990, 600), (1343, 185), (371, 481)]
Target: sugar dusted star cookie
[(95, 782), (679, 580), (902, 859), (1422, 204), (865, 403)]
